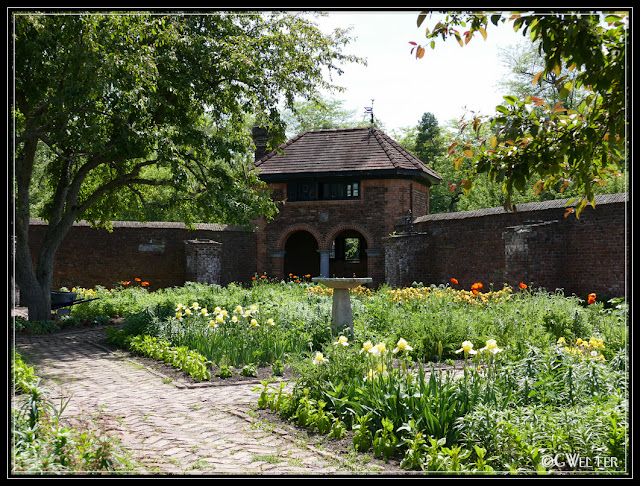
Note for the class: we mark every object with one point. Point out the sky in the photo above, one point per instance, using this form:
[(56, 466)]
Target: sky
[(448, 81)]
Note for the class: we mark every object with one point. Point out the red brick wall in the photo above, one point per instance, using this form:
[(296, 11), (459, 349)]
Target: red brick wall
[(154, 252), (537, 246)]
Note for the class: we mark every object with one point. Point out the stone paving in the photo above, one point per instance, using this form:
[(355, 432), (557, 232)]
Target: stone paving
[(168, 429)]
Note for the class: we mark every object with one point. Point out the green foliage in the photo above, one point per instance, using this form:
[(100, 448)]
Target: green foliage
[(362, 437), (225, 372), (151, 111), (40, 444), (181, 357), (500, 412), (22, 375), (440, 147), (167, 112), (318, 114), (534, 137), (36, 327), (384, 441)]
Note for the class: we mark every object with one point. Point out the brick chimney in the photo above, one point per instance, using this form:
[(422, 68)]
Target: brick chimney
[(260, 139)]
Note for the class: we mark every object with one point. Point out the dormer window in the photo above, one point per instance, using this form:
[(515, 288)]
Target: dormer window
[(323, 191)]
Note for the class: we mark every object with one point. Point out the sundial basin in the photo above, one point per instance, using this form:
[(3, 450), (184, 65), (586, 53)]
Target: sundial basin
[(342, 283)]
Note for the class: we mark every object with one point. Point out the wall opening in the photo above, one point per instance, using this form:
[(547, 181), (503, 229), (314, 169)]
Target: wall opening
[(301, 255), (348, 255)]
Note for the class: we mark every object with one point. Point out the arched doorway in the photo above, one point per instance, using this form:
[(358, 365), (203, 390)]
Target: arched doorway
[(348, 255), (301, 255)]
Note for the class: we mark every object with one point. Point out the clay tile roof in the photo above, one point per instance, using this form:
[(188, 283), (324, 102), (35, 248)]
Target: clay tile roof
[(343, 151)]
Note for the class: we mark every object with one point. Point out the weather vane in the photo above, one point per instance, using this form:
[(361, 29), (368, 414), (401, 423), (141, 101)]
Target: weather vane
[(368, 110)]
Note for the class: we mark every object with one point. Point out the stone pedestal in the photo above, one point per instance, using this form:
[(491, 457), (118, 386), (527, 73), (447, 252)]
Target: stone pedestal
[(341, 315)]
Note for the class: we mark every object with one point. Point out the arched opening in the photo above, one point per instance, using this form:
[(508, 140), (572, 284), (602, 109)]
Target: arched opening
[(301, 255), (348, 255)]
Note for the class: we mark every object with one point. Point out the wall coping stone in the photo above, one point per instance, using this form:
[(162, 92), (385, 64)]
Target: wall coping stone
[(151, 224), (622, 197)]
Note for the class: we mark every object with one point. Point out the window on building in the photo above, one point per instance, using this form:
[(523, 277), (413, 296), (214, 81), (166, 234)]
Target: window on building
[(323, 191)]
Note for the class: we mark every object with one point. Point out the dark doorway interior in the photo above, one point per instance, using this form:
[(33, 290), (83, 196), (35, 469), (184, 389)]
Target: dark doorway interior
[(301, 255), (348, 255)]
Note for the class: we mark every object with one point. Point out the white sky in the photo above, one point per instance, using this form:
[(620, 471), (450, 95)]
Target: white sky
[(445, 81)]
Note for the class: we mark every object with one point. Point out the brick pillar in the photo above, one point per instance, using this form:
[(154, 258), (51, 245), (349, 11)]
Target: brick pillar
[(203, 261)]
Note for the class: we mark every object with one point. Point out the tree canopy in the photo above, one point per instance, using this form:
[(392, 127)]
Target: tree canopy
[(122, 104), (530, 137)]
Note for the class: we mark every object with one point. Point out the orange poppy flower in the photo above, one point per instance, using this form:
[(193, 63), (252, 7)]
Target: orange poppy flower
[(592, 298), (475, 292), (523, 285), (126, 282), (476, 286), (455, 281), (253, 278), (145, 284), (137, 279)]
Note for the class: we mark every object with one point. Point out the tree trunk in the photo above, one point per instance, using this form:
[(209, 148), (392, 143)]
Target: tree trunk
[(36, 296), (34, 281)]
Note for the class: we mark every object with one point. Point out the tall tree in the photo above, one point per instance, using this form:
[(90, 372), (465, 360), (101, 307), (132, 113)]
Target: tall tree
[(132, 101), (530, 136), (524, 63), (318, 115)]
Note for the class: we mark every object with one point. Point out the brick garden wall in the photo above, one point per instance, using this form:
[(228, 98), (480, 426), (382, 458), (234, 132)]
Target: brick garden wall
[(536, 245), (154, 252)]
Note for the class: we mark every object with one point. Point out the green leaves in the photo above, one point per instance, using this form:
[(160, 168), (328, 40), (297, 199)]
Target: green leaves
[(580, 147), (112, 95)]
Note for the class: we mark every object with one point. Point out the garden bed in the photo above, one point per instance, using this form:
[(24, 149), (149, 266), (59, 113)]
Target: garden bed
[(529, 354)]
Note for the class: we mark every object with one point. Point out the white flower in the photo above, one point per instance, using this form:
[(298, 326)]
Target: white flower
[(402, 346), (467, 347), (319, 358), (378, 350), (342, 340), (367, 347), (491, 346)]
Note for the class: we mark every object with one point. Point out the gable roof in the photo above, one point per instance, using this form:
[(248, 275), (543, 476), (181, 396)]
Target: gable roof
[(347, 152)]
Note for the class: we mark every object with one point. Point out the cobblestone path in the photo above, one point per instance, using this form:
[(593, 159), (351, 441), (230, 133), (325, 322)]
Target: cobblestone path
[(168, 429)]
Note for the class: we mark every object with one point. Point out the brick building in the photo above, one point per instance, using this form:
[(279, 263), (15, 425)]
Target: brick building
[(341, 191)]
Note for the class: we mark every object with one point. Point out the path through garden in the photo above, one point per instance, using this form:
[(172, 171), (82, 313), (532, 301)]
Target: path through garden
[(169, 427)]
